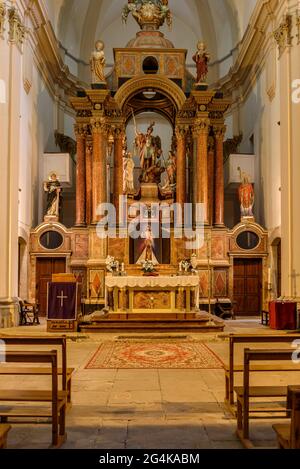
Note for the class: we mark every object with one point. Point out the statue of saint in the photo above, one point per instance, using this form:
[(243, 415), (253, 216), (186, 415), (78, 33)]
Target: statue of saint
[(171, 168), (201, 58), (149, 151), (148, 248), (97, 63), (128, 174), (246, 195), (53, 189)]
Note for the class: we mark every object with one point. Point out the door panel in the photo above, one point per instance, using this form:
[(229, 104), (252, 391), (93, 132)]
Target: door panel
[(247, 286), (45, 267)]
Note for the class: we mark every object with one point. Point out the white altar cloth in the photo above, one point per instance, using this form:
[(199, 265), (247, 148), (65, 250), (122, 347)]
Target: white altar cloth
[(161, 281)]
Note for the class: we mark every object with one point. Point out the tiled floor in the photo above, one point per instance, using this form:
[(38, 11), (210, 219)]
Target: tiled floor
[(145, 408)]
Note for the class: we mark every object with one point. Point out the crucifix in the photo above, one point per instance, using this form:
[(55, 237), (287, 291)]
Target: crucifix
[(62, 298)]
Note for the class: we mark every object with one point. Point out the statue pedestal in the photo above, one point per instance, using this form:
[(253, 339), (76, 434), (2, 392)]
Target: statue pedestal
[(149, 191), (51, 218), (248, 219)]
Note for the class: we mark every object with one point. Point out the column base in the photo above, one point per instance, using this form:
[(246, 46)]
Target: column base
[(80, 225), (9, 313), (220, 225)]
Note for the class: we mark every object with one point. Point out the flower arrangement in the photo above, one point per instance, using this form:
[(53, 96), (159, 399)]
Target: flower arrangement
[(112, 265), (184, 265), (148, 267)]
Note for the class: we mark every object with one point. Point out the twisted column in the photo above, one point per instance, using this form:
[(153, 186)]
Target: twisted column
[(219, 132), (80, 132)]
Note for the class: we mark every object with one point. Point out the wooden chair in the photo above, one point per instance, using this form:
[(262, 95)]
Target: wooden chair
[(56, 399), (231, 369), (246, 392), (225, 310), (288, 435), (4, 429), (60, 341)]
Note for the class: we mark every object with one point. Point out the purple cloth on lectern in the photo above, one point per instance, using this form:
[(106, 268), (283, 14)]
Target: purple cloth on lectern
[(62, 301)]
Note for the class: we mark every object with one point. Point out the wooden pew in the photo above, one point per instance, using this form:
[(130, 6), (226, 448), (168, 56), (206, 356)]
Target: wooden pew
[(245, 392), (231, 369), (60, 341), (288, 435), (4, 429), (57, 399)]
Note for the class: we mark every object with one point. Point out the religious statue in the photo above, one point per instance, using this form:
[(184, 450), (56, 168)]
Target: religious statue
[(168, 188), (150, 14), (148, 248), (128, 174), (246, 195), (149, 151), (53, 189), (201, 58), (97, 63)]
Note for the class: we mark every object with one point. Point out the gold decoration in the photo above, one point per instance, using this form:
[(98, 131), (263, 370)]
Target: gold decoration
[(149, 15), (2, 18), (16, 27), (283, 34)]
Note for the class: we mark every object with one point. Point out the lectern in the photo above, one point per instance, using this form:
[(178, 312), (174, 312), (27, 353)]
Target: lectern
[(63, 303)]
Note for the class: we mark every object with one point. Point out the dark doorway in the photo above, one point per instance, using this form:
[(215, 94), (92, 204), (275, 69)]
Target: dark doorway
[(45, 267), (247, 286)]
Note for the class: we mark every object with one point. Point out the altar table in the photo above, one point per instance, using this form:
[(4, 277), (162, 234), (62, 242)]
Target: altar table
[(143, 294)]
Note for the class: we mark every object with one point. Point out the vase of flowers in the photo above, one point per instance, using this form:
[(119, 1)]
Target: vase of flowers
[(185, 266), (149, 269), (112, 265)]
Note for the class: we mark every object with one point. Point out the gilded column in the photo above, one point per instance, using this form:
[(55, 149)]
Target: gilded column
[(211, 179), (219, 175), (118, 167), (80, 176), (99, 192), (89, 177), (201, 131), (181, 167)]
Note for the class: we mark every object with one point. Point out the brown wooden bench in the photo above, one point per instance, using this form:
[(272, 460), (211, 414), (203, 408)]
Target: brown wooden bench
[(231, 369), (56, 401), (4, 429), (246, 392), (288, 435), (60, 341)]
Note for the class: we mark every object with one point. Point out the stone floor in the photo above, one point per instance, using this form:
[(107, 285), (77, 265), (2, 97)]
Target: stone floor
[(131, 409)]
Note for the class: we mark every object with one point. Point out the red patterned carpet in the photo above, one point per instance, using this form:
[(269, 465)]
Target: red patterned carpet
[(157, 355)]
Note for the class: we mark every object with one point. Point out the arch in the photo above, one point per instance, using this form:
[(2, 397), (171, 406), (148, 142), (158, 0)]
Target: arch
[(156, 82)]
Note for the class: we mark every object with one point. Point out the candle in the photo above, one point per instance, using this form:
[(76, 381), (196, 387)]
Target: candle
[(269, 276), (123, 267)]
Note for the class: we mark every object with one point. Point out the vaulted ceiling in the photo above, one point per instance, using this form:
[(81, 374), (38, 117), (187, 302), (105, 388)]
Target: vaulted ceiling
[(221, 23)]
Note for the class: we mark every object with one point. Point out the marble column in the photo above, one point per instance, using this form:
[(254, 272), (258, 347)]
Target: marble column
[(211, 179), (118, 168), (201, 130), (89, 177), (219, 175), (80, 177), (181, 167), (11, 150), (99, 192)]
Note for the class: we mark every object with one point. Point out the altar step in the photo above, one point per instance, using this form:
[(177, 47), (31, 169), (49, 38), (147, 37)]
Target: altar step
[(109, 325)]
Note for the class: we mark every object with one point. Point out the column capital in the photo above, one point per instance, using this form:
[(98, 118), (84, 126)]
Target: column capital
[(201, 127), (220, 131), (99, 125), (81, 130), (181, 131)]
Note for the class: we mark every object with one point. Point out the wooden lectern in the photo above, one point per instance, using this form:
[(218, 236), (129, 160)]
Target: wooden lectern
[(63, 303)]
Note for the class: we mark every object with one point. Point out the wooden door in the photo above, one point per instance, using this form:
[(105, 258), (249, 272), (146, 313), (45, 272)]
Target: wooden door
[(45, 267), (247, 286)]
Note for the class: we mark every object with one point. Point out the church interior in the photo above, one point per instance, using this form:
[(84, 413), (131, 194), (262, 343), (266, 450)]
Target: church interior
[(150, 254)]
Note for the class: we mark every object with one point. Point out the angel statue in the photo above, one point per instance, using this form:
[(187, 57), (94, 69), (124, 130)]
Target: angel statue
[(246, 195), (53, 189), (201, 58), (97, 63)]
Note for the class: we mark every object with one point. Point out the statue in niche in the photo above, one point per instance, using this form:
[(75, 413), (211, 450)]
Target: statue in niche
[(53, 189), (128, 174), (97, 63), (246, 195), (168, 189), (201, 58), (150, 152)]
